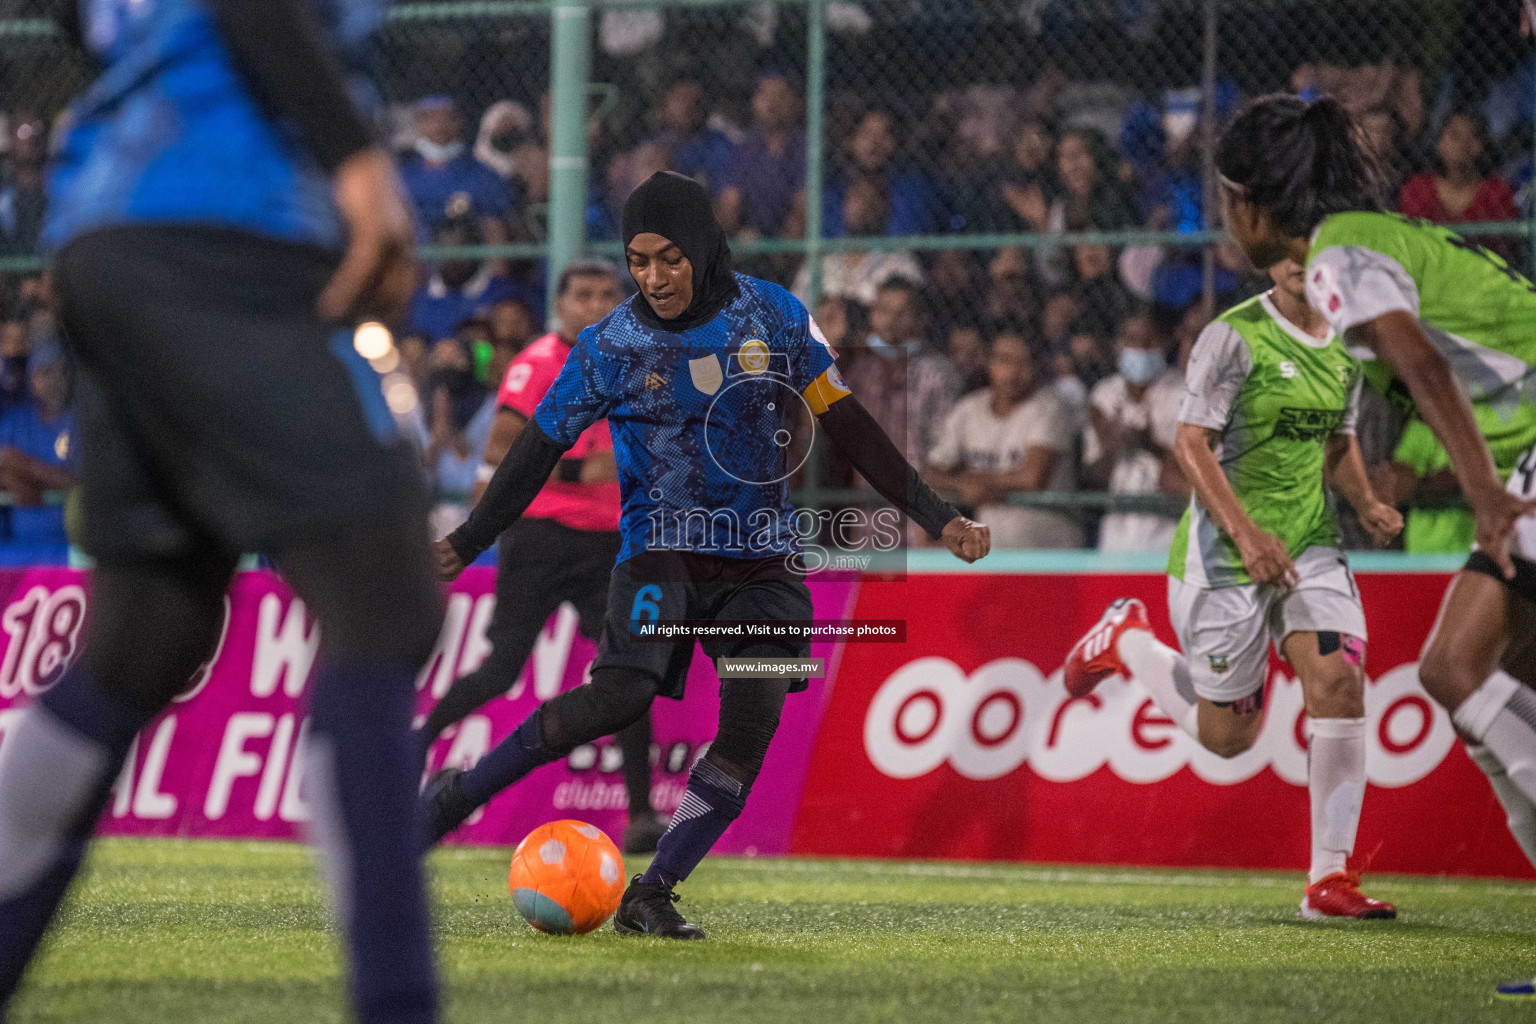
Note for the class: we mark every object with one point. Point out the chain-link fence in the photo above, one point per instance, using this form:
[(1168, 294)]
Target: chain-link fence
[(935, 173)]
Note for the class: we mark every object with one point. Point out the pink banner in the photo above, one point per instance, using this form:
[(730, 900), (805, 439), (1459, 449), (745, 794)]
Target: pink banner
[(224, 760)]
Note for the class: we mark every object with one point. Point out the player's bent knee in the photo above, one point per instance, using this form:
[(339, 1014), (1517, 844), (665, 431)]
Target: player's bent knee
[(1339, 694), (1228, 744), (614, 700), (1228, 730), (1445, 678)]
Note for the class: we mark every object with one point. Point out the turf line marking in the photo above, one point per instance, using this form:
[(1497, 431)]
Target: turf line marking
[(1090, 877)]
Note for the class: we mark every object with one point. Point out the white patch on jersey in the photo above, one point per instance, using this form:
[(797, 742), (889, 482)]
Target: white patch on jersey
[(517, 377), (816, 333), (706, 373), (1288, 369), (836, 379), (1323, 288)]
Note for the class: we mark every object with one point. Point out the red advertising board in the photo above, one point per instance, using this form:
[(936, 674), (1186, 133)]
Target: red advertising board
[(961, 743)]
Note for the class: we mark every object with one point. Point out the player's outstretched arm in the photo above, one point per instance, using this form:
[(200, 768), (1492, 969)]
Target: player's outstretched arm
[(1263, 555), (1346, 471), (870, 449), (1398, 339), (516, 482)]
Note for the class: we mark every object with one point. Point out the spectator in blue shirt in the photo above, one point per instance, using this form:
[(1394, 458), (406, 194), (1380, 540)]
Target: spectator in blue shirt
[(37, 453), (459, 289), (692, 147), (871, 154), (764, 194), (445, 180)]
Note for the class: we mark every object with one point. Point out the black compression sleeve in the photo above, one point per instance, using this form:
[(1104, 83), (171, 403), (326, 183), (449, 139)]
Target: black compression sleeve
[(517, 481), (278, 49), (870, 449)]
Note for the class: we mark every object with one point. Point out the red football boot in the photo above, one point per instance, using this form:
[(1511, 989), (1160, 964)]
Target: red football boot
[(1096, 656), (1339, 895)]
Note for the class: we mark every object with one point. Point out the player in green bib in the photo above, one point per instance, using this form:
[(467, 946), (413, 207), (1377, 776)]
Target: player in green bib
[(1449, 320), (1270, 403)]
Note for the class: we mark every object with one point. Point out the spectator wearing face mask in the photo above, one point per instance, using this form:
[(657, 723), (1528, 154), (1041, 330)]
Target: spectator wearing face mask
[(908, 388), (1012, 436), (459, 289), (1128, 444), (445, 180)]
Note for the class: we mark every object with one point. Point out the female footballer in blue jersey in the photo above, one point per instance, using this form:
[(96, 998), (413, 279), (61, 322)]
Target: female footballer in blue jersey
[(700, 376)]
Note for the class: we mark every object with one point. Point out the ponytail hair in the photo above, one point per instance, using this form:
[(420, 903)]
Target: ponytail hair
[(1300, 161)]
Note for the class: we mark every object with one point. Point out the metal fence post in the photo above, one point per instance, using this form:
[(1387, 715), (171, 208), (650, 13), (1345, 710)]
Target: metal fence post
[(815, 141), (570, 67)]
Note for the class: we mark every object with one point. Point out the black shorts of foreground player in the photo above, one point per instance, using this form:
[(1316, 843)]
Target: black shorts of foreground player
[(684, 439), (209, 306)]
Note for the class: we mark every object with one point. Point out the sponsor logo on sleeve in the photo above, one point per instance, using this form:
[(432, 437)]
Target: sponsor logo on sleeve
[(518, 375)]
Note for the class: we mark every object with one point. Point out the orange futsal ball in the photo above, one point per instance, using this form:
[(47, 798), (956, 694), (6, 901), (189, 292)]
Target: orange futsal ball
[(567, 877)]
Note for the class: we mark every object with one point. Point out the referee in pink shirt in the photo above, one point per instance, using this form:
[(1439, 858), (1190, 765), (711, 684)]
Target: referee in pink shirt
[(564, 547)]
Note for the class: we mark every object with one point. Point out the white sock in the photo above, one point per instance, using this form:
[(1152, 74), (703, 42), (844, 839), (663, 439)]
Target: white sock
[(1519, 808), (1336, 784), (1501, 715), (1165, 675)]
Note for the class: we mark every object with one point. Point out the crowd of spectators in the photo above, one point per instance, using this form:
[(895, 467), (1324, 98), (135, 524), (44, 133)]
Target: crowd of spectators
[(1044, 367)]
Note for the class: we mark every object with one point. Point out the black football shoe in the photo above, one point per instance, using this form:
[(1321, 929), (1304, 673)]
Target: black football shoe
[(443, 805), (643, 833), (647, 910)]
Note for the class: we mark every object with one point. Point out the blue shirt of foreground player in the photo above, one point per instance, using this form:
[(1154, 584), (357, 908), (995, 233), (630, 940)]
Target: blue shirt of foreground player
[(171, 133), (700, 419)]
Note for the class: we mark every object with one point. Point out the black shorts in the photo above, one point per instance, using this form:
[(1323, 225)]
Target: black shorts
[(542, 563), (1524, 582), (215, 409), (668, 586)]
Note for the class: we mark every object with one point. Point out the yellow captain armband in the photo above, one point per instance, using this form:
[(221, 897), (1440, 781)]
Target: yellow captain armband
[(826, 390)]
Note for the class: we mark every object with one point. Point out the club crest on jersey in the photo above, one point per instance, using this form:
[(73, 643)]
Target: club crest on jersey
[(706, 373), (1218, 663), (753, 355)]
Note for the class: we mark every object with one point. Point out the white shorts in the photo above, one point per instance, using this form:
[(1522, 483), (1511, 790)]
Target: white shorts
[(1522, 484), (1225, 632)]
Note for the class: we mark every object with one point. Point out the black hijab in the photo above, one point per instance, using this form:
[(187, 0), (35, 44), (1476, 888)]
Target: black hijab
[(678, 209)]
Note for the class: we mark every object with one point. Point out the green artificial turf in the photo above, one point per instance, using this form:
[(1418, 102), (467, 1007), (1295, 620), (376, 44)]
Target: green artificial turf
[(222, 932)]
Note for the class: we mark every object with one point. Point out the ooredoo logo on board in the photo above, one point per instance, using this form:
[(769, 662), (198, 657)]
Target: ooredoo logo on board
[(1007, 714)]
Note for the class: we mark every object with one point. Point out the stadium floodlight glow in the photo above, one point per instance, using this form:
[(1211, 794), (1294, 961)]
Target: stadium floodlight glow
[(389, 362), (399, 394), (372, 340)]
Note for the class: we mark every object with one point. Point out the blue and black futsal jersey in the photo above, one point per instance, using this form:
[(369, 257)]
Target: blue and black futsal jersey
[(171, 133), (701, 419)]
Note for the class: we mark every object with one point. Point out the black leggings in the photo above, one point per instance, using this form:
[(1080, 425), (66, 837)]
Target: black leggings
[(749, 716), (153, 623)]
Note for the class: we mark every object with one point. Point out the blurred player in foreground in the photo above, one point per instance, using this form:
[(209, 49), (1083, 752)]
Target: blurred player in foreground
[(564, 546), (1269, 411), (221, 216), (701, 376), (1447, 320)]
